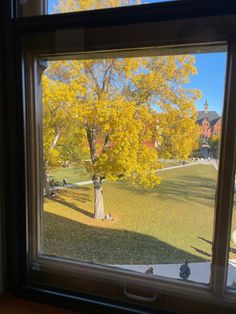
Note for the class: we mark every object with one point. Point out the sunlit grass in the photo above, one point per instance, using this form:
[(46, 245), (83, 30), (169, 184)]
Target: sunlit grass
[(167, 224)]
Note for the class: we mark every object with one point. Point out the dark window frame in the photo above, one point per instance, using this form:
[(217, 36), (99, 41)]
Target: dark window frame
[(221, 29)]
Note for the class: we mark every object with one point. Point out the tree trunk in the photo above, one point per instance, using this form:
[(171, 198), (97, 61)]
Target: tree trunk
[(46, 180), (98, 198)]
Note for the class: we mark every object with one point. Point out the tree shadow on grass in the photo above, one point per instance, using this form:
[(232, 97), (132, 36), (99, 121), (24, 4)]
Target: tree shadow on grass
[(67, 238), (75, 196), (184, 188), (78, 193), (188, 189), (201, 252), (231, 250), (73, 206)]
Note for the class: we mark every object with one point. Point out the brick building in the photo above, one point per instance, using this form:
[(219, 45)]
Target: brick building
[(209, 122)]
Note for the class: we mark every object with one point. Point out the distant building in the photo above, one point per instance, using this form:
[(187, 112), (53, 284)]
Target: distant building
[(209, 122)]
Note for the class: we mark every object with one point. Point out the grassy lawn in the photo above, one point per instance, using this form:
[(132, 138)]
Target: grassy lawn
[(75, 175), (72, 174), (167, 224)]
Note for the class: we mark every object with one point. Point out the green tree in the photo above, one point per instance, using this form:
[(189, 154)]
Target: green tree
[(214, 142)]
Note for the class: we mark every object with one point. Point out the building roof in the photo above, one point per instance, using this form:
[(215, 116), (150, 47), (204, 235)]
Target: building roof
[(210, 116), (213, 122)]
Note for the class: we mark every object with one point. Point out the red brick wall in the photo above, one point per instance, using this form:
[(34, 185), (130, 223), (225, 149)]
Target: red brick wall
[(205, 129)]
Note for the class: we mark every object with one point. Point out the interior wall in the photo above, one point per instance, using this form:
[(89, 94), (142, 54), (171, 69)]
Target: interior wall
[(1, 176), (32, 7), (1, 149)]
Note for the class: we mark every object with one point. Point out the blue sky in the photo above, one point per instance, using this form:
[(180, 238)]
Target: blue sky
[(210, 79), (211, 74)]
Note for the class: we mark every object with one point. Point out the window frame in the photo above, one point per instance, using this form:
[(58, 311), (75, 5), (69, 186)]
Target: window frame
[(2, 177), (33, 7), (25, 28)]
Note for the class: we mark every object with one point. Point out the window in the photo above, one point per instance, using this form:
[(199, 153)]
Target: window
[(94, 42), (110, 134)]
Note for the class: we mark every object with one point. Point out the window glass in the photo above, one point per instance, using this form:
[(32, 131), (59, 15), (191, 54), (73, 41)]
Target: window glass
[(129, 169)]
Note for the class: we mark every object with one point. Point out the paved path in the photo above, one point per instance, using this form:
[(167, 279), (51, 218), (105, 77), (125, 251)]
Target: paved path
[(205, 162), (200, 272), (83, 183), (73, 185), (201, 162), (180, 166)]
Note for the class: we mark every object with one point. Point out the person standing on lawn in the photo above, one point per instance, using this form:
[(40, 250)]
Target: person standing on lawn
[(65, 182)]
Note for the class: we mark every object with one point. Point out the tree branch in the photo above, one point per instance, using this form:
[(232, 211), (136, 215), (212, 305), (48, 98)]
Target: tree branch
[(106, 143), (107, 79), (56, 138), (88, 70), (91, 136)]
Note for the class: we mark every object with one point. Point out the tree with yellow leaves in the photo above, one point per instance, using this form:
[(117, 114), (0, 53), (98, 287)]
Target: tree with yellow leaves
[(58, 99), (64, 6), (116, 109)]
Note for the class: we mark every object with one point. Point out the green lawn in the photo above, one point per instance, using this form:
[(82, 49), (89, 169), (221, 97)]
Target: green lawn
[(72, 174), (167, 224), (75, 175)]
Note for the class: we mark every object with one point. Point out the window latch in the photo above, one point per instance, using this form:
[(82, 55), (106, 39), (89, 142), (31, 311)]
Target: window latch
[(141, 298)]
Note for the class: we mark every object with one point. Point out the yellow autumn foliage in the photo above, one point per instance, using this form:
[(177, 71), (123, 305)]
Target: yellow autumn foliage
[(64, 6), (116, 110)]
